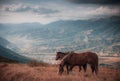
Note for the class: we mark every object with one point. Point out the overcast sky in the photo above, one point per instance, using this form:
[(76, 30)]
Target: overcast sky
[(46, 11)]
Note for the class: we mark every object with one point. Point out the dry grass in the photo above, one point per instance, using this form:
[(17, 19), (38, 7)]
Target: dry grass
[(24, 72), (35, 63)]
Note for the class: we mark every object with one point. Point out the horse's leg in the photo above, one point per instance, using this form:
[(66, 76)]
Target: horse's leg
[(61, 69), (70, 69), (96, 68), (92, 68), (85, 67), (79, 68), (67, 67)]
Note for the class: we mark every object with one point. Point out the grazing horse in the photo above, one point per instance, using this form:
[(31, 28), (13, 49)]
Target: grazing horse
[(60, 55), (80, 59)]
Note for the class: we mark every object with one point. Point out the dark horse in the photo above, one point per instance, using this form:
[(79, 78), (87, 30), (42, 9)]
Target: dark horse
[(60, 55), (80, 59)]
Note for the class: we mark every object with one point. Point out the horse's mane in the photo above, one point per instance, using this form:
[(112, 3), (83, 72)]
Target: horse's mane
[(65, 57), (68, 54)]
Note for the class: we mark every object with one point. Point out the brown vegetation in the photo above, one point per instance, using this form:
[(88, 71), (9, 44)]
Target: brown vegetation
[(24, 72), (35, 63)]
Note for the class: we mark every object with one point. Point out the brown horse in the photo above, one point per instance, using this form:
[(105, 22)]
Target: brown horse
[(60, 55), (80, 59)]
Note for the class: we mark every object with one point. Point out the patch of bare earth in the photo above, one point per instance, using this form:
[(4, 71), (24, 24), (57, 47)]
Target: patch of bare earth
[(24, 72)]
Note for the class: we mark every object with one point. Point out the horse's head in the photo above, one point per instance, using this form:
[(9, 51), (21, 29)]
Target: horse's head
[(59, 55), (61, 69)]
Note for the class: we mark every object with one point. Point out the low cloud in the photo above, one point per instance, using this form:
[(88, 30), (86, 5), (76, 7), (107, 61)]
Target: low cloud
[(28, 8), (16, 8), (104, 11), (86, 12), (44, 11), (49, 11)]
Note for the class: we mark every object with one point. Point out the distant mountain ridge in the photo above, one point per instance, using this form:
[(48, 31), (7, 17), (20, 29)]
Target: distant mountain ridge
[(97, 35)]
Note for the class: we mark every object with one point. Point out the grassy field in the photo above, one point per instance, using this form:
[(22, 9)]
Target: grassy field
[(45, 72)]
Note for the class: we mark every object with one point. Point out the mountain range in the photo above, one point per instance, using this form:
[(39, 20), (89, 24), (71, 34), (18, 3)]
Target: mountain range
[(32, 39)]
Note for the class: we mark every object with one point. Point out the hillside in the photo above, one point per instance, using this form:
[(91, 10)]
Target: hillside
[(7, 44), (7, 53), (6, 60)]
